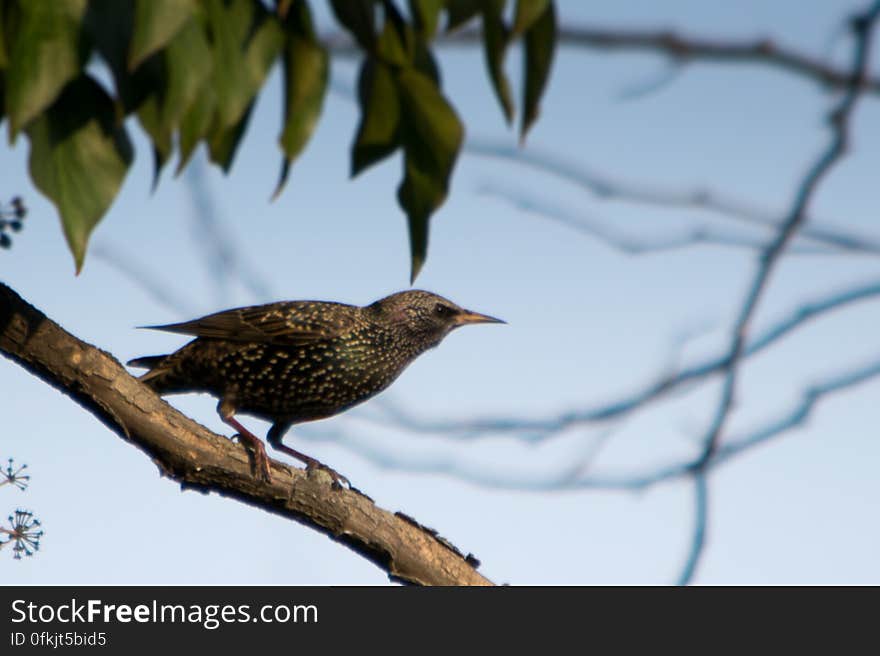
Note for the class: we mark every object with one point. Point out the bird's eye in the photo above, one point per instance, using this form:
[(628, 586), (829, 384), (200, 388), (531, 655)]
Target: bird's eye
[(442, 310)]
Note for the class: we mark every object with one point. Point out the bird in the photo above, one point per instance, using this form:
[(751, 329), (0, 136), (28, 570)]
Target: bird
[(290, 362)]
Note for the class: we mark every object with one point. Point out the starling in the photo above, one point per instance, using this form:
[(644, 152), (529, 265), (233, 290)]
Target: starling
[(296, 361)]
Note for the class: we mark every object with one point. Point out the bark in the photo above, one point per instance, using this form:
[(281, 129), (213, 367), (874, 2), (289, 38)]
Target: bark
[(199, 459)]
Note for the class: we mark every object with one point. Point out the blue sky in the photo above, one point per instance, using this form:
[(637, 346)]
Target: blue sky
[(586, 325)]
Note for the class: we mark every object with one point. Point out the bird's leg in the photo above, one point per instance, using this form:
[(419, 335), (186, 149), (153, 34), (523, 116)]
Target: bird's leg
[(274, 438), (226, 410)]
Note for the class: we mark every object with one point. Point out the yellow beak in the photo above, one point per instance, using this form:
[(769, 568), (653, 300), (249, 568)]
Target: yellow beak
[(467, 317)]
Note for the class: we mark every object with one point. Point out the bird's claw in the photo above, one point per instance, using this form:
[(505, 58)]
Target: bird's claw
[(261, 459), (262, 467)]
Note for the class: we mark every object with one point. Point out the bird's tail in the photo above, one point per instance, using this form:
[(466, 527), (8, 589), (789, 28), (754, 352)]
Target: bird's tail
[(147, 361), (160, 377)]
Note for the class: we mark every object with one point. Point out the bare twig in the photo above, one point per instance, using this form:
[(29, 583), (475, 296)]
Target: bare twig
[(680, 48), (862, 27), (839, 119), (608, 188), (223, 259), (630, 245), (701, 520), (688, 48), (561, 480), (142, 276)]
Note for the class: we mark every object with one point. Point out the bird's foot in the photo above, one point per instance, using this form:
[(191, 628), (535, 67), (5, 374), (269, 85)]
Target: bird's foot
[(261, 459), (339, 481), (312, 465)]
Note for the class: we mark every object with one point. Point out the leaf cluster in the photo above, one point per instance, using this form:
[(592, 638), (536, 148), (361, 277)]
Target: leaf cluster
[(190, 72)]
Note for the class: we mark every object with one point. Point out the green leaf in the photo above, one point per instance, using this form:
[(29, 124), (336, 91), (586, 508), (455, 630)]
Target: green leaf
[(79, 157), (109, 25), (540, 44), (426, 15), (306, 67), (47, 53), (246, 40), (527, 12), (432, 135), (223, 141), (460, 12), (4, 25), (496, 38), (196, 124), (424, 62), (155, 24), (359, 18), (378, 134), (162, 144), (186, 67), (394, 43)]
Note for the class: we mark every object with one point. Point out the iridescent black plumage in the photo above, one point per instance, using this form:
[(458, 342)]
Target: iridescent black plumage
[(296, 361)]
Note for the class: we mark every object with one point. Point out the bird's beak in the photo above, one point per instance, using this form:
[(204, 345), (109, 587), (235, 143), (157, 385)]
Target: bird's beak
[(466, 317)]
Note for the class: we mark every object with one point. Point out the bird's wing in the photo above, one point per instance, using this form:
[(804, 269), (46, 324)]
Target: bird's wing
[(286, 323)]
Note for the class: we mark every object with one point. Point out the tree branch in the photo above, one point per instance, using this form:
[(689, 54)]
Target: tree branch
[(605, 187), (680, 48), (619, 240), (698, 539), (687, 48), (575, 476), (862, 27), (839, 120), (199, 459)]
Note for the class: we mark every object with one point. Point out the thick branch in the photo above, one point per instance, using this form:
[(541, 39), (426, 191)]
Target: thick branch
[(197, 458)]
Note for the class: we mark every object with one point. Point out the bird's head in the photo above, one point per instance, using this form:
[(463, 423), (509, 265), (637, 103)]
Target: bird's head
[(425, 318)]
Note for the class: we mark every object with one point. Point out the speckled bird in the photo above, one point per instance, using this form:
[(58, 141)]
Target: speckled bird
[(296, 361)]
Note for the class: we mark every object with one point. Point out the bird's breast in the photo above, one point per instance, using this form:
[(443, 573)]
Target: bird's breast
[(313, 380)]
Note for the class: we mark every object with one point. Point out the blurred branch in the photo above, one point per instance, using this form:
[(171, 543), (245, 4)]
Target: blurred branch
[(536, 430), (635, 481), (604, 187), (653, 84), (607, 188), (139, 274), (222, 256), (630, 245), (701, 520), (701, 199), (839, 119), (679, 48), (199, 459), (684, 49)]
